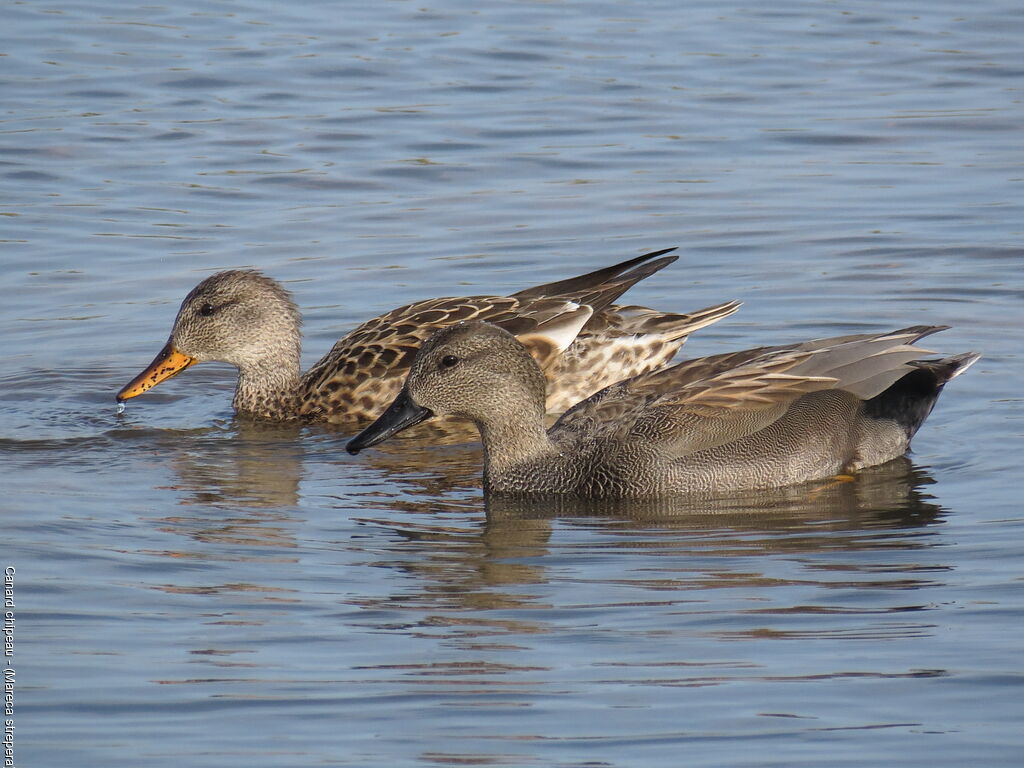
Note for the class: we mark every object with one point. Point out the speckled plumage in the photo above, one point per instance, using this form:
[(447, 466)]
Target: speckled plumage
[(249, 320), (759, 418)]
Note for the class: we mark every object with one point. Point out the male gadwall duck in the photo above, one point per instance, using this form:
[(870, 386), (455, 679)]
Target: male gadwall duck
[(760, 418), (581, 339)]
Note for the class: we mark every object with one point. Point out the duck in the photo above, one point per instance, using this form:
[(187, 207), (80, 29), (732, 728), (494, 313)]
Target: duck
[(758, 418), (582, 341)]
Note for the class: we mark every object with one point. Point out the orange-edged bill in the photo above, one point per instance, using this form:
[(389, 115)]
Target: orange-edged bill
[(168, 362)]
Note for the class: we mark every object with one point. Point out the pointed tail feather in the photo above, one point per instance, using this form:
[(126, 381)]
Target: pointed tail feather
[(950, 367), (602, 296), (581, 283), (671, 326), (910, 399)]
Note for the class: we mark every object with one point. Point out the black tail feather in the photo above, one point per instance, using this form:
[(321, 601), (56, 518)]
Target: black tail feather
[(909, 401)]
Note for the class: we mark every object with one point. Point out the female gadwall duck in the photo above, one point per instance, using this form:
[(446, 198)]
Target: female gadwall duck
[(761, 418), (581, 340)]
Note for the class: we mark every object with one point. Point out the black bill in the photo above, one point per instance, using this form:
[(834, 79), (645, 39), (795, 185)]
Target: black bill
[(401, 414)]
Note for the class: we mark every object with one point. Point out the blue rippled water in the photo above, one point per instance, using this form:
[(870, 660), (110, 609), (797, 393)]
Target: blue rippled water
[(194, 589)]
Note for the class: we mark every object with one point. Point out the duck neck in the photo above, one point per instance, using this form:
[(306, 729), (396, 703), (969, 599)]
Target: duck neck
[(269, 388), (511, 446)]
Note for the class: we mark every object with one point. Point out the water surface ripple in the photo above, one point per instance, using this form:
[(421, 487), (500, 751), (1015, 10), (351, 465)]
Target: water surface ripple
[(194, 589)]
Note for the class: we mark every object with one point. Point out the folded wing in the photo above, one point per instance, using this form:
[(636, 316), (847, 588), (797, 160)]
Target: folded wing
[(712, 401)]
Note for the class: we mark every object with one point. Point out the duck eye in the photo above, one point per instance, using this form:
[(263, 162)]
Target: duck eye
[(449, 361), (206, 310)]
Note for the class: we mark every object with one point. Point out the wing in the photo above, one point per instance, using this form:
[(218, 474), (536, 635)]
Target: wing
[(703, 403), (367, 365), (383, 348)]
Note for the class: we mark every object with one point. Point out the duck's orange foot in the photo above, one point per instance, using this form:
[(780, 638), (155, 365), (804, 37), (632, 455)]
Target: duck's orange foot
[(814, 493)]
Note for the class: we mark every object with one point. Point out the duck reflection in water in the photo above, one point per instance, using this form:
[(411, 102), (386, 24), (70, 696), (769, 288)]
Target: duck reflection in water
[(464, 562), (464, 548)]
